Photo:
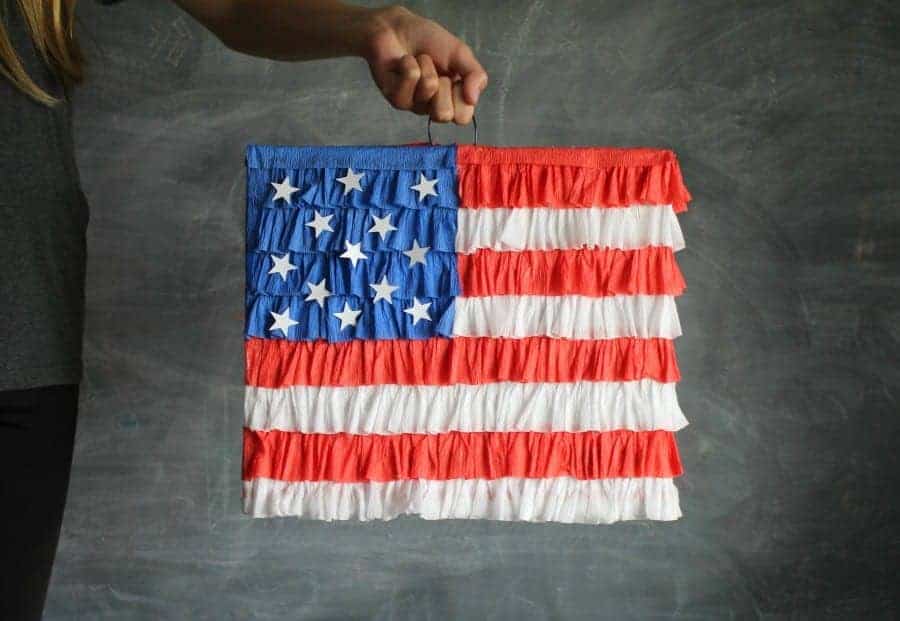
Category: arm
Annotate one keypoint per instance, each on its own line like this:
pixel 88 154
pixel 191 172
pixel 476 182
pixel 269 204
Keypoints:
pixel 416 63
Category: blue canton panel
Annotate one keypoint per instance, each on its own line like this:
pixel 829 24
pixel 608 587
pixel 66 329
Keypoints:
pixel 306 206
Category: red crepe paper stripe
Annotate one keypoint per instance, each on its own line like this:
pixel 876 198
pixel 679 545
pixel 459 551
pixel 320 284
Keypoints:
pixel 586 271
pixel 568 177
pixel 341 457
pixel 274 363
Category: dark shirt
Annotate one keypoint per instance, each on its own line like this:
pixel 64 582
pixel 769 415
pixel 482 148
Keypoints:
pixel 43 218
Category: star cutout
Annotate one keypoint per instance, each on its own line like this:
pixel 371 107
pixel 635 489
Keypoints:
pixel 347 316
pixel 383 290
pixel 351 181
pixel 283 321
pixel 318 293
pixel 382 226
pixel 417 253
pixel 283 190
pixel 425 187
pixel 282 265
pixel 418 311
pixel 320 223
pixel 353 253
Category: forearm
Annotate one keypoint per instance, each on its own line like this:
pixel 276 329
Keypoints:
pixel 288 29
pixel 416 63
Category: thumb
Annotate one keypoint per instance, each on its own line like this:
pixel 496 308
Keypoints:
pixel 474 78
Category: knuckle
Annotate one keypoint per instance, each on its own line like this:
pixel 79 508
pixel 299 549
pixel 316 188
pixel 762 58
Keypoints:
pixel 443 115
pixel 398 10
pixel 430 83
pixel 411 73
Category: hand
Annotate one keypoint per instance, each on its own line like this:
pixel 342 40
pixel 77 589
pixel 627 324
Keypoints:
pixel 420 66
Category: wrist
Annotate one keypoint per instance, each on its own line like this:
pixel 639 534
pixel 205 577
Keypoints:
pixel 375 26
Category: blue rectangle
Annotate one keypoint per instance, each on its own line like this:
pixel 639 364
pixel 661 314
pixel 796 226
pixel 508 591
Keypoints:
pixel 386 209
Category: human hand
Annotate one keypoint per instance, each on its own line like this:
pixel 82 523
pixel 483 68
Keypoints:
pixel 419 66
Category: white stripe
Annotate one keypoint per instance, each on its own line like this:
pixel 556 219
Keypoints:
pixel 546 228
pixel 640 405
pixel 567 316
pixel 595 501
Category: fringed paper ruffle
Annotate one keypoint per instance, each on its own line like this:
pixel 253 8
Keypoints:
pixel 650 271
pixel 280 230
pixel 421 157
pixel 275 363
pixel 505 316
pixel 541 228
pixel 436 279
pixel 561 499
pixel 568 177
pixel 378 320
pixel 641 405
pixel 569 316
pixel 380 189
pixel 340 457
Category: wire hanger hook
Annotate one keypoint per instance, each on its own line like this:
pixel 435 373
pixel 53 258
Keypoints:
pixel 474 131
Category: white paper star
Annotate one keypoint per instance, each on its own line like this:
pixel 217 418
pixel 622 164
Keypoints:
pixel 382 226
pixel 417 253
pixel 383 290
pixel 425 187
pixel 348 316
pixel 351 181
pixel 283 190
pixel 353 253
pixel 318 293
pixel 281 265
pixel 283 321
pixel 320 223
pixel 418 311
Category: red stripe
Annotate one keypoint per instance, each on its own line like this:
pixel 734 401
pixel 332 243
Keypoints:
pixel 586 271
pixel 580 157
pixel 568 177
pixel 347 458
pixel 274 363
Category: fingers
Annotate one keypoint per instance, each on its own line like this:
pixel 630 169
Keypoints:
pixel 401 86
pixel 447 104
pixel 413 83
pixel 462 111
pixel 428 83
pixel 441 107
pixel 474 78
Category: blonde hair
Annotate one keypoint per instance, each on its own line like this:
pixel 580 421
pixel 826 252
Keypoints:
pixel 51 25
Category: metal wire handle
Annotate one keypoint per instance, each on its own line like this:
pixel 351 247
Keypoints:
pixel 474 131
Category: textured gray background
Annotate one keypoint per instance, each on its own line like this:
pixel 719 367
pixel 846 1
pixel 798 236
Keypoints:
pixel 785 117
